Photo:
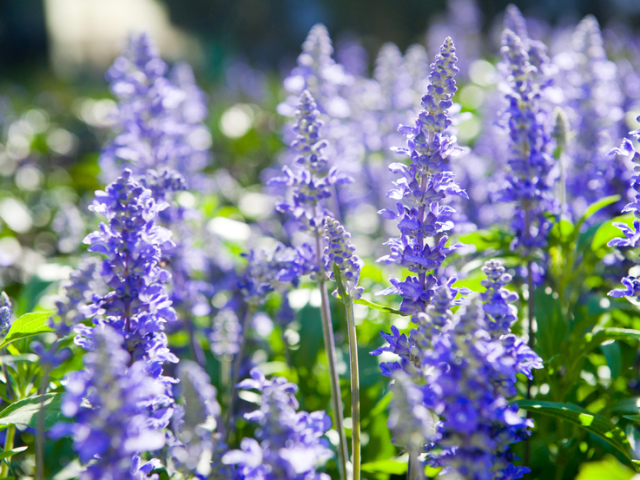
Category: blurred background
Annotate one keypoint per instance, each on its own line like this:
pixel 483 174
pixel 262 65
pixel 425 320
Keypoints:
pixel 77 39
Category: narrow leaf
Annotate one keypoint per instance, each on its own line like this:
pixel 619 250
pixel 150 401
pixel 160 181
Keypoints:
pixel 25 412
pixel 596 207
pixel 28 325
pixel 10 453
pixel 591 422
pixel 608 231
pixel 385 466
pixel 382 308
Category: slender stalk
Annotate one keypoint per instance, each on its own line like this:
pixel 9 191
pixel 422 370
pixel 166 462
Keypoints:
pixel 11 394
pixel 531 333
pixel 236 372
pixel 414 471
pixel 40 427
pixel 8 446
pixel 329 346
pixel 355 389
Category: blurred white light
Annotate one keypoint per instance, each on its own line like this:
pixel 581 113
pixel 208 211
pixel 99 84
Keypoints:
pixel 298 298
pixel 38 119
pixel 228 229
pixel 236 121
pixel 200 139
pixel 15 215
pixel 29 177
pixel 472 96
pixel 256 205
pixel 482 73
pixel 186 199
pixel 61 141
pixel 10 251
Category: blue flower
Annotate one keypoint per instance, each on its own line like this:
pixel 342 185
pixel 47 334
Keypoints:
pixel 528 181
pixel 339 251
pixel 290 444
pixel 116 409
pixel 6 312
pixel 423 220
pixel 137 305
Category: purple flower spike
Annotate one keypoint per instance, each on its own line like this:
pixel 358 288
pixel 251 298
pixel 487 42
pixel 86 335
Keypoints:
pixel 423 185
pixel 528 181
pixel 290 444
pixel 116 407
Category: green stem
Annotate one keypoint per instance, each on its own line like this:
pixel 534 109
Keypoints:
pixel 414 470
pixel 336 398
pixel 40 427
pixel 8 446
pixel 330 349
pixel 355 388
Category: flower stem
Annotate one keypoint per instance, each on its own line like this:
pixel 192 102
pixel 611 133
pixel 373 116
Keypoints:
pixel 355 389
pixel 8 446
pixel 414 470
pixel 329 346
pixel 336 398
pixel 40 425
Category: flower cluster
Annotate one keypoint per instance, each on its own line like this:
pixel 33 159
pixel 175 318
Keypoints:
pixel 631 233
pixel 423 185
pixel 465 373
pixel 198 447
pixel 340 252
pixel 117 409
pixel 413 425
pixel 497 299
pixel 529 182
pixel 311 184
pixel 594 106
pixel 6 312
pixel 158 121
pixel 271 269
pixel 290 444
pixel 226 333
pixel 137 306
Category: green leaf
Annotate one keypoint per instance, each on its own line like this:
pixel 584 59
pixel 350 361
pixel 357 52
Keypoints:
pixel 613 355
pixel 25 412
pixel 13 452
pixel 633 418
pixel 608 468
pixel 382 308
pixel 21 357
pixel 608 231
pixel 593 340
pixel 28 325
pixel 385 466
pixel 596 207
pixel 591 422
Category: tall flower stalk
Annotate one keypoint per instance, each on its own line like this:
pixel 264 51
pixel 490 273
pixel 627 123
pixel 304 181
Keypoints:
pixel 310 186
pixel 528 181
pixel 343 266
pixel 423 220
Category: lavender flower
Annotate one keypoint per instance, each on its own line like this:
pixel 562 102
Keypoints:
pixel 312 183
pixel 6 312
pixel 424 183
pixel 115 406
pixel 226 333
pixel 594 106
pixel 76 294
pixel 497 299
pixel 290 444
pixel 271 269
pixel 632 234
pixel 137 305
pixel 318 73
pixel 199 446
pixel 528 182
pixel 412 424
pixel 339 251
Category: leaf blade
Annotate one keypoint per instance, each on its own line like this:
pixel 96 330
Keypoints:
pixel 28 325
pixel 25 412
